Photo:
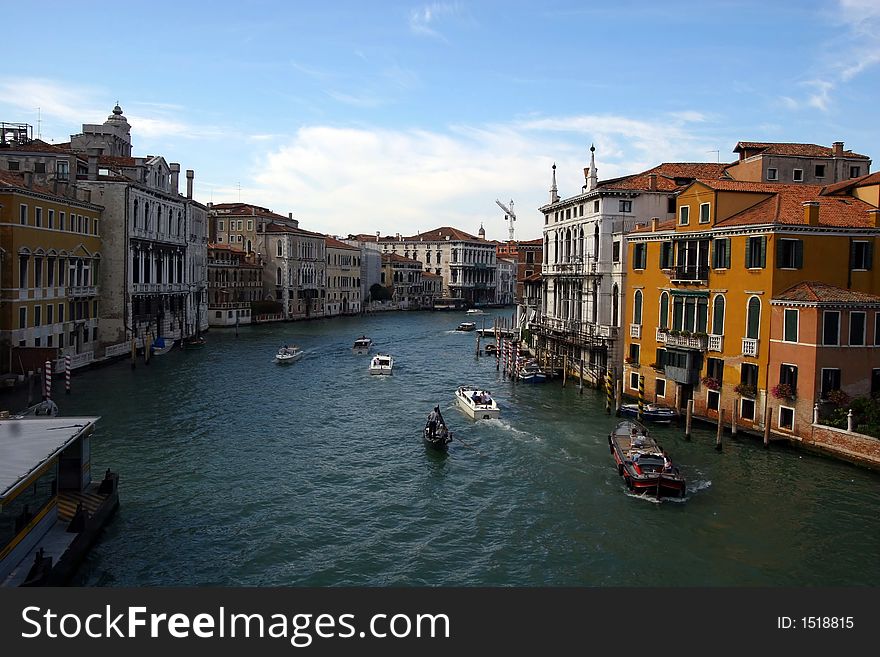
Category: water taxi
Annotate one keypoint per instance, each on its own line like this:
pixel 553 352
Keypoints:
pixel 467 326
pixel 475 311
pixel 362 345
pixel 642 463
pixel 381 364
pixel 651 412
pixel 288 354
pixel 531 372
pixel 478 404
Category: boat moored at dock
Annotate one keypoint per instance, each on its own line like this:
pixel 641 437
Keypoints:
pixel 650 413
pixel 642 463
pixel 477 404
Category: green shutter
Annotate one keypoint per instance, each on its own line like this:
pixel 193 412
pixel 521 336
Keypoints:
pixel 852 255
pixel 763 252
pixel 869 254
pixel 749 242
pixel 727 248
pixel 799 254
pixel 664 310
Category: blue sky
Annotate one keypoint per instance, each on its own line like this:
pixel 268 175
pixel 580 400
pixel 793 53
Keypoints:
pixel 404 116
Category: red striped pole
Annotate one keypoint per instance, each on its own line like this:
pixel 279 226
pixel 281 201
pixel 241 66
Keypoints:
pixel 67 374
pixel 48 379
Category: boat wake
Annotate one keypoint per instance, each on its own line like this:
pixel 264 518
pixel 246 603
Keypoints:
pixel 501 424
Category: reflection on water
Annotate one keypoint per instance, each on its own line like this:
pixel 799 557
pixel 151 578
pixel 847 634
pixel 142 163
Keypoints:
pixel 235 471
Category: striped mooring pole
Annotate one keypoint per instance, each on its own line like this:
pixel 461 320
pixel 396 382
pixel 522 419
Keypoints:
pixel 67 374
pixel 641 397
pixel 609 394
pixel 48 379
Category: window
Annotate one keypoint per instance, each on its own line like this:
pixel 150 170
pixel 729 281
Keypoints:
pixel 664 310
pixel 705 210
pixel 665 255
pixel 860 255
pixel 855 172
pixel 786 418
pixel 38 217
pixel 640 255
pixel 60 221
pixel 60 314
pixel 637 307
pixel 22 317
pixel 721 253
pixel 830 381
pixel 625 206
pixel 857 329
pixel 877 328
pixel 712 400
pixel 23 272
pixel 634 380
pixel 830 327
pixel 250 224
pixel 595 206
pixel 820 171
pixel 790 254
pixel 38 315
pixel 772 174
pixel 49 310
pixel 747 409
pixel 279 249
pixel 221 225
pixel 62 169
pixel 22 214
pixel 749 375
pixel 660 387
pixel 715 368
pixel 788 376
pixel 51 219
pixel 615 252
pixel 670 204
pixel 753 318
pixel 718 315
pixel 38 272
pixel 634 353
pixel 797 175
pixel 756 252
pixel 13 165
pixel 790 325
pixel 684 215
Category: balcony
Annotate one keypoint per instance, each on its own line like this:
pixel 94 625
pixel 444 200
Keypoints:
pixel 690 273
pixel 661 335
pixel 697 342
pixel 635 331
pixel 750 347
pixel 716 343
pixel 685 375
pixel 82 291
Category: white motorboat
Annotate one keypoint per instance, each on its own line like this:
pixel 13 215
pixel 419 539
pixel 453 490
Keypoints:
pixel 475 311
pixel 288 354
pixel 362 345
pixel 381 364
pixel 466 326
pixel 478 404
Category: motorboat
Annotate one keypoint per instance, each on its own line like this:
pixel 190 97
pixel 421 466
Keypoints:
pixel 491 348
pixel 475 311
pixel 362 345
pixel 467 326
pixel 651 413
pixel 478 404
pixel 161 346
pixel 436 435
pixel 381 364
pixel 193 342
pixel 642 463
pixel 288 354
pixel 531 372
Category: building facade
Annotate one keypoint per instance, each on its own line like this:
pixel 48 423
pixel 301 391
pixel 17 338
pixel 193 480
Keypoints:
pixel 796 163
pixel 343 278
pixel 404 276
pixel 295 269
pixel 235 281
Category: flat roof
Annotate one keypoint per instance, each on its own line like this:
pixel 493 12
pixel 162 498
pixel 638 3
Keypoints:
pixel 27 444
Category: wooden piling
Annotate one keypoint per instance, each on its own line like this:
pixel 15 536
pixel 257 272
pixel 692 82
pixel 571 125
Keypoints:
pixel 148 342
pixel 733 415
pixel 581 378
pixel 720 427
pixel 687 419
pixel 133 352
pixel 618 390
pixel 564 368
pixel 766 423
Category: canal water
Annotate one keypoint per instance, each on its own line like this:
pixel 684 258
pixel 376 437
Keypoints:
pixel 237 471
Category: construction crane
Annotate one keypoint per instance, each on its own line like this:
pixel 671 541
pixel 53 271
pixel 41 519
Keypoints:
pixel 508 215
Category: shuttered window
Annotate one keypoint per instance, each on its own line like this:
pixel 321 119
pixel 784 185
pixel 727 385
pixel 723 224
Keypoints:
pixel 790 254
pixel 756 252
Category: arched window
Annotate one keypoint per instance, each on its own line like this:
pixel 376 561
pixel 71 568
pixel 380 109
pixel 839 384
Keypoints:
pixel 581 244
pixel 614 305
pixel 596 243
pixel 278 278
pixel 718 316
pixel 546 250
pixel 753 321
pixel 595 301
pixel 555 248
pixel 637 307
pixel 136 217
pixel 664 310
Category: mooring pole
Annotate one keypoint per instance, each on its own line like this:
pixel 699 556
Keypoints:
pixel 687 419
pixel 720 427
pixel 766 424
pixel 733 418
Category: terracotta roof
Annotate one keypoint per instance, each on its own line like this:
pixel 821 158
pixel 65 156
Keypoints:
pixel 396 257
pixel 427 274
pixel 117 161
pixel 224 247
pixel 39 146
pixel 785 206
pixel 538 241
pixel 534 278
pixel 247 210
pixel 798 150
pixel 440 234
pixel 336 244
pixel 11 179
pixel 363 237
pixel 670 176
pixel 669 224
pixel 852 183
pixel 817 292
pixel 279 228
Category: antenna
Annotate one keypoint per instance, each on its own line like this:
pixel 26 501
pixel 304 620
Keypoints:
pixel 239 192
pixel 717 156
pixel 39 123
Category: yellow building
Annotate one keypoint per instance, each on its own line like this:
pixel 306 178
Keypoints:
pixel 51 250
pixel 698 304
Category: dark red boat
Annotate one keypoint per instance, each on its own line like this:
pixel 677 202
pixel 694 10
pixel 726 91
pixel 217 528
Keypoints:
pixel 642 463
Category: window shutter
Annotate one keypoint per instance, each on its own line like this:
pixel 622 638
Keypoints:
pixel 749 243
pixel 728 246
pixel 852 255
pixel 763 251
pixel 869 254
pixel 780 254
pixel 799 254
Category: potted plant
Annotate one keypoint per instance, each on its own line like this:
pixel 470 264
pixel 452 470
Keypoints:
pixel 685 333
pixel 657 366
pixel 675 333
pixel 629 360
pixel 746 390
pixel 838 398
pixel 782 391
pixel 711 382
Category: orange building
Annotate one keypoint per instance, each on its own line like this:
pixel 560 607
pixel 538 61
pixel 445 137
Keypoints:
pixel 700 286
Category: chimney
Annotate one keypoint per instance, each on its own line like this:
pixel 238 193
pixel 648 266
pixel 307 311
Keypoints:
pixel 837 149
pixel 93 163
pixel 811 213
pixel 377 236
pixel 652 182
pixel 655 221
pixel 874 218
pixel 28 179
pixel 175 178
pixel 190 174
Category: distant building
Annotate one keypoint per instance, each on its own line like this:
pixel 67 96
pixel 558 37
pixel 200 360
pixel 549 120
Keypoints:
pixel 796 163
pixel 505 286
pixel 404 275
pixel 295 269
pixel 234 282
pixel 343 278
pixel 528 255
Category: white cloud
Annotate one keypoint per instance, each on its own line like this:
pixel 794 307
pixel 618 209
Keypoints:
pixel 423 19
pixel 342 180
pixel 821 98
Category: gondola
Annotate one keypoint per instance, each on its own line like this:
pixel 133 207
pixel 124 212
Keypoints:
pixel 436 435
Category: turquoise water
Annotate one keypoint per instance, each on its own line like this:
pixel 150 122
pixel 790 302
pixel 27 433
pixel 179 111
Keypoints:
pixel 237 471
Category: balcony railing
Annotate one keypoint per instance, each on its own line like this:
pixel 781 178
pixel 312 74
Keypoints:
pixel 698 342
pixel 690 273
pixel 635 331
pixel 683 375
pixel 82 291
pixel 661 335
pixel 750 347
pixel 716 343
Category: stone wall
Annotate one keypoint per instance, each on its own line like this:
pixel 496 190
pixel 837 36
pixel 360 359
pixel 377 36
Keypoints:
pixel 851 446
